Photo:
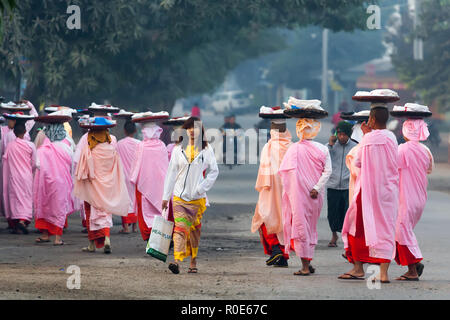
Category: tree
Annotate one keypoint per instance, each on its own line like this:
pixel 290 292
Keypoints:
pixel 150 52
pixel 6 6
pixel 431 76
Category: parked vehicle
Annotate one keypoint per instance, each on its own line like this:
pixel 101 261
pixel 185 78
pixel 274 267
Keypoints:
pixel 227 101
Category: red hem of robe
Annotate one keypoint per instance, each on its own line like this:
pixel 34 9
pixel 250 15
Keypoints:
pixel 44 225
pixel 357 249
pixel 145 231
pixel 129 219
pixel 98 235
pixel 270 240
pixel 404 257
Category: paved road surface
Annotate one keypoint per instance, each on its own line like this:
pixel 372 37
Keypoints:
pixel 231 261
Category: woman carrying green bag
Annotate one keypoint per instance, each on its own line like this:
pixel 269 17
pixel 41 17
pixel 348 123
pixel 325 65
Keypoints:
pixel 187 183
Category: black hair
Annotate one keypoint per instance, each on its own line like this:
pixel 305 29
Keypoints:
pixel 380 115
pixel 189 124
pixel 19 128
pixel 129 127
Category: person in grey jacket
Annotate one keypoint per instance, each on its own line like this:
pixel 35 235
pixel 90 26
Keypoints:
pixel 339 146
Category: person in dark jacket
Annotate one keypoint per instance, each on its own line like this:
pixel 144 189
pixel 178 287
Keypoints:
pixel 339 146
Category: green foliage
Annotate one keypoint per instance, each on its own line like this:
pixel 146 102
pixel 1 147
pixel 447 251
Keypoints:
pixel 146 53
pixel 6 6
pixel 430 77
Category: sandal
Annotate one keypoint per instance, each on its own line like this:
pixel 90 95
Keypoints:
pixel 406 278
pixel 40 240
pixel 59 244
pixel 22 228
pixel 124 232
pixel 350 277
pixel 192 270
pixel 86 249
pixel 174 267
pixel 332 245
pixel 381 281
pixel 300 273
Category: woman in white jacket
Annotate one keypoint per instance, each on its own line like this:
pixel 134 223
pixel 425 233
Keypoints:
pixel 192 172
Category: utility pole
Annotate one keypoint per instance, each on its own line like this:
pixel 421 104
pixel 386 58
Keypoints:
pixel 324 67
pixel 418 43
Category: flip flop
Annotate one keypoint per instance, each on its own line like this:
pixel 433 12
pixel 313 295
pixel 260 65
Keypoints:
pixel 381 281
pixel 40 240
pixel 332 245
pixel 22 228
pixel 405 278
pixel 192 270
pixel 175 268
pixel 419 268
pixel 300 273
pixel 352 277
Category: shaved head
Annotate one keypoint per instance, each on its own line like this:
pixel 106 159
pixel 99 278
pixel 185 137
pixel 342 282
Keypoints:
pixel 379 117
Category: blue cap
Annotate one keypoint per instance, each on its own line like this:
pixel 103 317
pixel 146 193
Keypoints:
pixel 100 121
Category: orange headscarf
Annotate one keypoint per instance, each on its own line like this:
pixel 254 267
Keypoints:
pixel 307 128
pixel 98 136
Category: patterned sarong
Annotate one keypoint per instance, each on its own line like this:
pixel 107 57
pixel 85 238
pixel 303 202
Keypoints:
pixel 188 223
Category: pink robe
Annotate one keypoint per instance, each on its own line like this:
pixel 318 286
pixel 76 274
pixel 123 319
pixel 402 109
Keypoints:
pixel 52 189
pixel 415 161
pixel 100 181
pixel 148 173
pixel 268 210
pixel 354 171
pixel 19 162
pixel 127 149
pixel 82 143
pixel 170 149
pixel 378 183
pixel 7 137
pixel 300 170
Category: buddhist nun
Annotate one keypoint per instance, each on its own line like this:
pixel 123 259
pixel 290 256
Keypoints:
pixel 19 164
pixel 149 170
pixel 268 217
pixel 369 229
pixel 100 183
pixel 304 171
pixel 415 162
pixel 127 149
pixel 53 184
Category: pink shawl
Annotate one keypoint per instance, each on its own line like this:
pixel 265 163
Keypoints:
pixel 149 171
pixel 52 189
pixel 19 161
pixel 127 149
pixel 414 163
pixel 99 180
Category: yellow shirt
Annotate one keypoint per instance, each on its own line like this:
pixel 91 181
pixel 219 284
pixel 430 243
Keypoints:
pixel 191 153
